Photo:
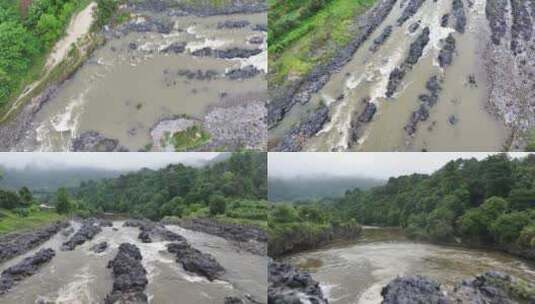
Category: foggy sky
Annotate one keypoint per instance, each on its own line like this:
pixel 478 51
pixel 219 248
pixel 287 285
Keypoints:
pixel 112 161
pixel 375 165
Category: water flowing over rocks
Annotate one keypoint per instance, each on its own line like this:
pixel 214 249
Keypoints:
pixel 377 42
pixel 27 267
pixel 288 285
pixel 243 73
pixel 295 139
pixel 196 261
pixel 152 231
pixel 15 244
pixel 89 229
pixel 415 52
pixel 231 24
pixel 129 276
pixel 248 237
pixel 412 8
pixel 359 119
pixel 227 53
pixel 301 91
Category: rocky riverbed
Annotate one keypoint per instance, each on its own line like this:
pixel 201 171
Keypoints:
pixel 133 261
pixel 171 66
pixel 479 51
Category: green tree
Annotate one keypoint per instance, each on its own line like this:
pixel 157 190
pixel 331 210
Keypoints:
pixel 283 214
pixel 507 227
pixel 25 196
pixel 63 202
pixel 217 205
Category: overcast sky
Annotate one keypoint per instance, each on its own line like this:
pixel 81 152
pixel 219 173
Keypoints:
pixel 376 165
pixel 115 161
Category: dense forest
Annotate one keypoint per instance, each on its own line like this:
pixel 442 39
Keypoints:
pixel 315 187
pixel 28 31
pixel 232 187
pixel 487 202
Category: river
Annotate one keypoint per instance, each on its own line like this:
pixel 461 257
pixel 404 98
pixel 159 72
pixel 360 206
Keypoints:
pixel 81 276
pixel 356 272
pixel 460 121
pixel 148 73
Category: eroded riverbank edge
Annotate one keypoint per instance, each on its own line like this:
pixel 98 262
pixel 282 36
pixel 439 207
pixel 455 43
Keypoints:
pixel 234 124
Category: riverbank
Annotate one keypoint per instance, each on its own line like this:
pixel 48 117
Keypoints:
pixel 11 222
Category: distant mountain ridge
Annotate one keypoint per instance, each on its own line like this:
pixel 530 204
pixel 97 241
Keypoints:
pixel 303 188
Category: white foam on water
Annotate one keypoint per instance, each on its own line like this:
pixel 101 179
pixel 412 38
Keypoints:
pixel 69 119
pixel 372 295
pixel 77 291
pixel 259 61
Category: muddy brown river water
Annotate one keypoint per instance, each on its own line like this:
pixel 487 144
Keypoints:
pixel 81 276
pixel 355 273
pixel 131 82
pixel 474 128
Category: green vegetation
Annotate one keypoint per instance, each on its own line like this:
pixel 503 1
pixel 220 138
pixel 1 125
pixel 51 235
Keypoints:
pixel 233 189
pixel 188 139
pixel 11 221
pixel 488 202
pixel 294 228
pixel 298 39
pixel 531 141
pixel 27 33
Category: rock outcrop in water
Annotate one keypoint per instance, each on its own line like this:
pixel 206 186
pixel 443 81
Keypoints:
pixel 196 261
pixel 359 119
pixel 445 56
pixel 416 289
pixel 92 141
pixel 380 40
pixel 457 10
pixel 250 238
pixel 295 139
pixel 233 24
pixel 489 288
pixel 100 247
pixel 129 276
pixel 427 101
pixel 88 230
pixel 415 52
pixel 15 244
pixel 288 285
pixel 27 267
pixel 150 231
pixel 227 53
pixel 412 8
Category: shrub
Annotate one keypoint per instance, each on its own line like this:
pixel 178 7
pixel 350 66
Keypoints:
pixel 217 205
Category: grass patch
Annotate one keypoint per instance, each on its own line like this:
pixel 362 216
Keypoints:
pixel 304 33
pixel 188 139
pixel 10 222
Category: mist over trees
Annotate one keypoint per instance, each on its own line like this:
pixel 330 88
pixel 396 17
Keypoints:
pixel 316 187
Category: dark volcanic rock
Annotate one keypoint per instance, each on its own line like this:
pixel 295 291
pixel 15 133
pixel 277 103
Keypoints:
pixel 231 24
pixel 522 27
pixel 226 54
pixel 295 139
pixel 365 117
pixel 283 99
pixel 90 228
pixel 27 267
pixel 415 52
pixel 412 8
pixel 244 73
pixel 288 285
pixel 233 300
pixel 411 290
pixel 144 236
pixel 256 40
pixel 457 10
pixel 444 20
pixel 494 288
pixel 129 276
pixel 445 57
pixel 428 101
pixel 260 28
pixel 15 244
pixel 417 47
pixel 496 11
pixel 100 247
pixel 151 231
pixel 198 75
pixel 175 47
pixel 413 27
pixel 195 261
pixel 147 25
pixel 380 40
pixel 92 141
